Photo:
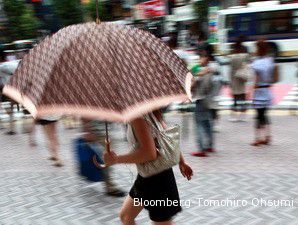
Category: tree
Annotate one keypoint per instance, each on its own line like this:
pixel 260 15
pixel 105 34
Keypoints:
pixel 201 9
pixel 68 12
pixel 21 23
pixel 102 11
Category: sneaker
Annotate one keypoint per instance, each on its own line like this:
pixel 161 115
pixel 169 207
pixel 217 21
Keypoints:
pixel 256 143
pixel 199 154
pixel 242 120
pixel 10 133
pixel 116 193
pixel 233 120
pixel 58 164
pixel 53 158
pixel 211 150
pixel 216 129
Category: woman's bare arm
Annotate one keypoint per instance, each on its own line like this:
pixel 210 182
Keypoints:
pixel 146 150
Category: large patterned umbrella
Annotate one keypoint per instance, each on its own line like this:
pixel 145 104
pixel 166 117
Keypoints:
pixel 100 71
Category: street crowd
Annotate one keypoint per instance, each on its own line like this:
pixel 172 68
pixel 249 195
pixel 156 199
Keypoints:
pixel 259 68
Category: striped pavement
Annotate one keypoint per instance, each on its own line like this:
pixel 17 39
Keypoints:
pixel 34 192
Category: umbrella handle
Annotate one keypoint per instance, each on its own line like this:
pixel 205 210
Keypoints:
pixel 108 149
pixel 97 164
pixel 97 12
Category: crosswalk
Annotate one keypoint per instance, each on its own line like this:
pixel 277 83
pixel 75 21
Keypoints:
pixel 17 114
pixel 290 101
pixel 225 101
pixel 34 192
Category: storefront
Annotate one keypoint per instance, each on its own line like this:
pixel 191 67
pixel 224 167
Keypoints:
pixel 150 15
pixel 184 17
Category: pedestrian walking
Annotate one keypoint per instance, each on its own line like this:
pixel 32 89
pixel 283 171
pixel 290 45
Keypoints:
pixel 217 83
pixel 239 75
pixel 94 137
pixel 202 44
pixel 49 125
pixel 6 70
pixel 144 75
pixel 158 187
pixel 266 73
pixel 203 89
pixel 2 83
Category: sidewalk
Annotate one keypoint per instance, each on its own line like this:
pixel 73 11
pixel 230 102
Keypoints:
pixel 34 192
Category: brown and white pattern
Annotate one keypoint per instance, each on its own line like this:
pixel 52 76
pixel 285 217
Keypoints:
pixel 105 71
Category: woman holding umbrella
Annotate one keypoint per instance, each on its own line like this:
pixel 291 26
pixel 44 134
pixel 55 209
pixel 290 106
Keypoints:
pixel 114 73
pixel 159 187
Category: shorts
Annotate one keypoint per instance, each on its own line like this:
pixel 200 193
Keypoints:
pixel 160 187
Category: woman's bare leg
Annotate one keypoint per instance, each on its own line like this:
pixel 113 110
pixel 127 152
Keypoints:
pixel 129 211
pixel 31 132
pixel 51 133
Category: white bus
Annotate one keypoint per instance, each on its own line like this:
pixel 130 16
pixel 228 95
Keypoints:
pixel 275 22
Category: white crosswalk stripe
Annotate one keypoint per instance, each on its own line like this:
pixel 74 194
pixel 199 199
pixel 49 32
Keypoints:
pixel 291 99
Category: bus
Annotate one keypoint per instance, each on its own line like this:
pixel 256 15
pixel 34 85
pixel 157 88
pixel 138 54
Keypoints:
pixel 269 20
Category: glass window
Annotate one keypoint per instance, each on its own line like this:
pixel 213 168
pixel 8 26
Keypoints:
pixel 275 22
pixel 245 24
pixel 295 24
pixel 231 24
pixel 274 26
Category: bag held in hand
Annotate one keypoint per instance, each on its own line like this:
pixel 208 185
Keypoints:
pixel 85 154
pixel 167 144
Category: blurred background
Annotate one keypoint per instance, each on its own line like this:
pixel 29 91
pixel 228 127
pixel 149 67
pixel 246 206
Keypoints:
pixel 34 192
pixel 182 20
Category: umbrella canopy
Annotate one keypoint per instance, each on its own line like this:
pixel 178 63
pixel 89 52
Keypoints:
pixel 101 71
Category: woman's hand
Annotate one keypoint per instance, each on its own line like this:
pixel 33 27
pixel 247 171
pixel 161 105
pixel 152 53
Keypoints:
pixel 110 158
pixel 185 170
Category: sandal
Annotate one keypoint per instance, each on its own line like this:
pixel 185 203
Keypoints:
pixel 53 158
pixel 267 141
pixel 256 143
pixel 58 163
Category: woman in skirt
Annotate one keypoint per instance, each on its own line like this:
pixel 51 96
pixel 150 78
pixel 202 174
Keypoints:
pixel 154 189
pixel 266 75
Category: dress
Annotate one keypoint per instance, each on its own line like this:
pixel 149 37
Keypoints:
pixel 159 190
pixel 262 97
pixel 264 68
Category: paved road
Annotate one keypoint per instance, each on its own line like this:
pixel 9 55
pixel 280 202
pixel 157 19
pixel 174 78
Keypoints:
pixel 34 192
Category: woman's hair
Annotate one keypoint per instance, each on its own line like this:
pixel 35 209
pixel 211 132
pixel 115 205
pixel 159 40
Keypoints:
pixel 262 48
pixel 173 42
pixel 207 54
pixel 158 114
pixel 238 46
pixel 2 56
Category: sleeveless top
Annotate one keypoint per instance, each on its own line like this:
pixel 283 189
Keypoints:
pixel 133 143
pixel 130 134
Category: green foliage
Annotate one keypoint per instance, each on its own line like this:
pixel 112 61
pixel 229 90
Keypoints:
pixel 68 12
pixel 91 11
pixel 21 21
pixel 201 9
